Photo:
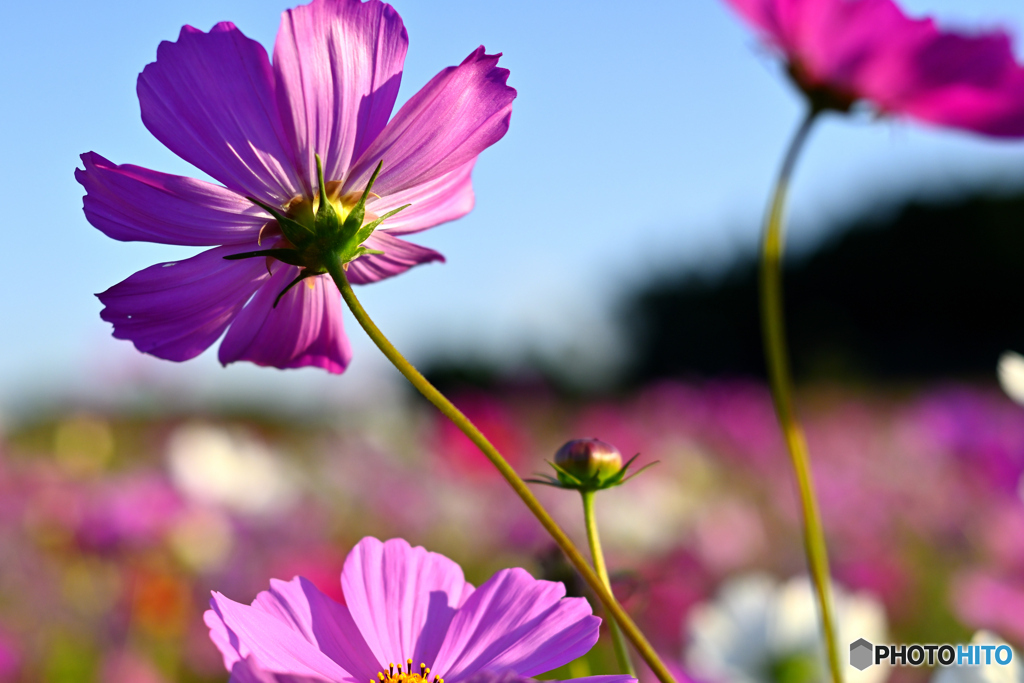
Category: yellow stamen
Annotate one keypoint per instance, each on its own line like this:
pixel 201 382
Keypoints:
pixel 398 675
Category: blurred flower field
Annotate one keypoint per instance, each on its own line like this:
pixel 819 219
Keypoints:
pixel 115 527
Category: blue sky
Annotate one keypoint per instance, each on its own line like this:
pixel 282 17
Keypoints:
pixel 643 141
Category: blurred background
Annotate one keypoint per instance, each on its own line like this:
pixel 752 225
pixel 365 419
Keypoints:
pixel 603 286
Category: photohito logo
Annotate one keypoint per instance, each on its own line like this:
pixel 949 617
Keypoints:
pixel 863 654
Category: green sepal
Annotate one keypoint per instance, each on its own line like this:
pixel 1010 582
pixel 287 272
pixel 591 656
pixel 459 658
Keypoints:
pixel 637 473
pixel 297 233
pixel 327 222
pixel 308 272
pixel 354 220
pixel 364 232
pixel 565 480
pixel 290 256
pixel 547 480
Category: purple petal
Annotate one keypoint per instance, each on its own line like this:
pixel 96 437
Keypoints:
pixel 248 671
pixel 177 310
pixel 322 621
pixel 304 329
pixel 338 66
pixel 131 203
pixel 458 114
pixel 398 257
pixel 402 598
pixel 516 622
pixel 210 97
pixel 438 201
pixel 241 632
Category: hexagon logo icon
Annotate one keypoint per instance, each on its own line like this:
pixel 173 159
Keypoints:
pixel 861 654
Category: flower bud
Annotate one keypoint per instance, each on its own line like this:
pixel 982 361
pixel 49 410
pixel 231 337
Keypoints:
pixel 591 461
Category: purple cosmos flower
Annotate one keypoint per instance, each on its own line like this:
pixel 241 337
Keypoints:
pixel 839 51
pixel 409 606
pixel 260 129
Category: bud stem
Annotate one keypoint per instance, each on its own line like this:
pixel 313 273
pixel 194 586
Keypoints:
pixel 518 485
pixel 621 653
pixel 781 382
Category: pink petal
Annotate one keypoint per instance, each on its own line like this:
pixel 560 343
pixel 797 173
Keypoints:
pixel 441 200
pixel 768 16
pixel 516 622
pixel 304 329
pixel 210 97
pixel 398 257
pixel 273 644
pixel 322 621
pixel 871 49
pixel 458 114
pixel 177 310
pixel 225 641
pixel 338 65
pixel 402 598
pixel 248 671
pixel 969 82
pixel 859 47
pixel 131 203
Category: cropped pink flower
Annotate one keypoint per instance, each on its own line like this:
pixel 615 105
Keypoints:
pixel 408 608
pixel 215 100
pixel 845 50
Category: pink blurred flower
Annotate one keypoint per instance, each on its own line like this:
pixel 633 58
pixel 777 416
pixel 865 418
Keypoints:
pixel 840 51
pixel 983 600
pixel 404 605
pixel 10 657
pixel 128 510
pixel 215 100
pixel 496 420
pixel 127 667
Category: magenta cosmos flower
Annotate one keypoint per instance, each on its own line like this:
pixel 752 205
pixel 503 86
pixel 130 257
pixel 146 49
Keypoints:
pixel 840 51
pixel 409 617
pixel 215 100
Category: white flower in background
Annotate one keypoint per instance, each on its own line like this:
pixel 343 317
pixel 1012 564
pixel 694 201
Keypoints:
pixel 760 631
pixel 646 517
pixel 1011 375
pixel 983 673
pixel 230 469
pixel 659 507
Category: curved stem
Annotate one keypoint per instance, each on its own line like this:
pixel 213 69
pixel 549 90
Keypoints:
pixel 621 653
pixel 518 485
pixel 780 379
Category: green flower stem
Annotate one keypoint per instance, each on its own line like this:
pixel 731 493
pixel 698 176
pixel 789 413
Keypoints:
pixel 780 379
pixel 621 653
pixel 518 485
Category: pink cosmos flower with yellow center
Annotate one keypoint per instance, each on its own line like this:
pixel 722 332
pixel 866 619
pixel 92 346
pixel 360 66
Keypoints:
pixel 409 617
pixel 840 51
pixel 260 130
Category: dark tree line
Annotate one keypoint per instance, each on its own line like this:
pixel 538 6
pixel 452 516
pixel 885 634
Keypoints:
pixel 935 290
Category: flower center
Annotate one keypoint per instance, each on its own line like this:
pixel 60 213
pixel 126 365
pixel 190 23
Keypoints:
pixel 318 233
pixel 822 96
pixel 408 676
pixel 303 210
